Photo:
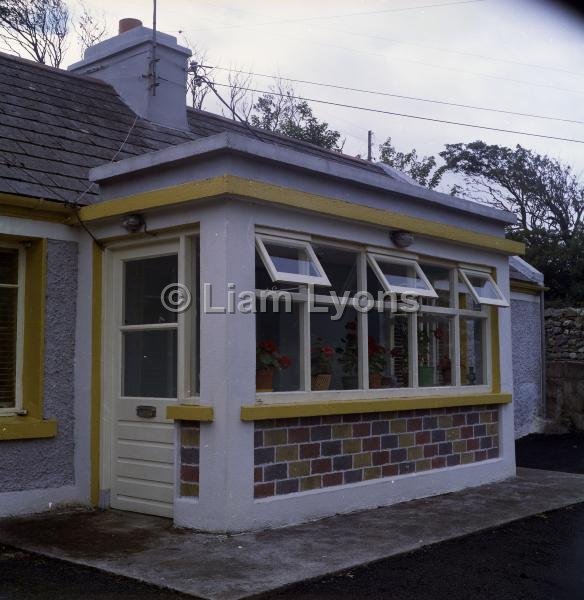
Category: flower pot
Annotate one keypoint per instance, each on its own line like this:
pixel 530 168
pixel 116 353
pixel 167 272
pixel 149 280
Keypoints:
pixel 375 380
pixel 425 376
pixel 265 380
pixel 322 381
pixel 350 382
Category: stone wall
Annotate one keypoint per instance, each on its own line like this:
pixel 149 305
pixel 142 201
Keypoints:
pixel 298 455
pixel 564 331
pixel 564 328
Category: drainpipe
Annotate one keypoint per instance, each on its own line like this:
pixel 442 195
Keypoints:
pixel 543 354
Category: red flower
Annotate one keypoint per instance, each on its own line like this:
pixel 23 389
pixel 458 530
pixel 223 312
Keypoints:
pixel 285 361
pixel 268 346
pixel 328 351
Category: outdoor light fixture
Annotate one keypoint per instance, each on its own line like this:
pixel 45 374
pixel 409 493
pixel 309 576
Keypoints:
pixel 133 223
pixel 402 239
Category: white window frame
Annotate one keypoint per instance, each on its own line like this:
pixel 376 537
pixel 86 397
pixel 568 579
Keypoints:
pixel 465 273
pixel 17 409
pixel 454 312
pixel 276 275
pixel 374 258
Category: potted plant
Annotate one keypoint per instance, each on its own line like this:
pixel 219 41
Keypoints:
pixel 377 363
pixel 268 361
pixel 322 357
pixel 349 356
pixel 425 370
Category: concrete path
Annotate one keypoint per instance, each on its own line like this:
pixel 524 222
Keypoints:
pixel 219 567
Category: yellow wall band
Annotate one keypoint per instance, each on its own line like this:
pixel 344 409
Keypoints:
pixel 526 287
pixel 25 207
pixel 258 412
pixel 96 308
pixel 229 185
pixel 190 412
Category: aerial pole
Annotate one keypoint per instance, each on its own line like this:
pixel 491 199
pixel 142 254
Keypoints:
pixel 370 145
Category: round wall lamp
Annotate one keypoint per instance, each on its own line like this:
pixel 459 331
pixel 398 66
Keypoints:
pixel 402 239
pixel 133 223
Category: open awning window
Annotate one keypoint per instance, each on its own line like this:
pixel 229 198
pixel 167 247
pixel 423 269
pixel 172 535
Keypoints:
pixel 401 275
pixel 483 287
pixel 291 261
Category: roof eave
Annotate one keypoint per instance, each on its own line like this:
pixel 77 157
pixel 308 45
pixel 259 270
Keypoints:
pixel 265 150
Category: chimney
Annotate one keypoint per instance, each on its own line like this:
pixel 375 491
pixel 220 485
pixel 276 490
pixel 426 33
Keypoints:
pixel 149 74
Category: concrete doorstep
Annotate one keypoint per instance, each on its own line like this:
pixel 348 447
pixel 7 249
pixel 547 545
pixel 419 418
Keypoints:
pixel 219 567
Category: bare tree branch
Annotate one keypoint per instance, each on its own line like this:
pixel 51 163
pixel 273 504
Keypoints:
pixel 90 29
pixel 37 27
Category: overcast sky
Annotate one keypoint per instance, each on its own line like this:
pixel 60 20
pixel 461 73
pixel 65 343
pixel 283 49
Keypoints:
pixel 517 55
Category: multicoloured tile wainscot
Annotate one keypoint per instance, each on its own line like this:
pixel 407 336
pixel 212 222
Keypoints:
pixel 301 454
pixel 189 458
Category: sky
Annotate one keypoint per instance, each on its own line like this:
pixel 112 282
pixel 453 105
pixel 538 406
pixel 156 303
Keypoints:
pixel 514 55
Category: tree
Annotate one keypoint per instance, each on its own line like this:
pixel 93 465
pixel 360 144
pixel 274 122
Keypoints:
pixel 281 112
pixel 423 170
pixel 37 27
pixel 90 29
pixel 546 197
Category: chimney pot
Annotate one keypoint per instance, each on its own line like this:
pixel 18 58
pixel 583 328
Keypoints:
pixel 127 24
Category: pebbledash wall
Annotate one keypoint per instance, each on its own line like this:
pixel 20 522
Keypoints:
pixel 527 363
pixel 49 463
pixel 298 455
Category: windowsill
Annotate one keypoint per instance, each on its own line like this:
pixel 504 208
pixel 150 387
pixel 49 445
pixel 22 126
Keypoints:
pixel 317 407
pixel 26 428
pixel 189 412
pixel 372 394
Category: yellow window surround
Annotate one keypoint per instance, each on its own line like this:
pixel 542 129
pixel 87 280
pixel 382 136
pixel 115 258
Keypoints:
pixel 32 425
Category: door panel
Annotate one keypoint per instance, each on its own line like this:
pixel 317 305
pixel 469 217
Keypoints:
pixel 143 440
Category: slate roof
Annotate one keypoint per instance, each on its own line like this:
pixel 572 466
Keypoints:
pixel 55 126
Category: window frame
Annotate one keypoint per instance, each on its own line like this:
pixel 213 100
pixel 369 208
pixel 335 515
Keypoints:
pixel 281 276
pixel 373 259
pixel 465 272
pixel 364 392
pixel 20 287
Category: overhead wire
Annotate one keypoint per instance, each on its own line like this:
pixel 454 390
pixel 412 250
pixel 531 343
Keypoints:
pixel 401 96
pixel 408 116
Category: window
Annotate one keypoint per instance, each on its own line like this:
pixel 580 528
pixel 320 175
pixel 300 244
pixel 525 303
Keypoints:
pixel 400 275
pixel 11 278
pixel 290 261
pixel 483 288
pixel 329 341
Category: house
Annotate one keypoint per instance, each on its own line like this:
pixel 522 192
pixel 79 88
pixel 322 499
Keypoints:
pixel 143 249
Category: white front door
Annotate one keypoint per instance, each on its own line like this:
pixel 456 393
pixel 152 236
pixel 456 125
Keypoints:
pixel 145 369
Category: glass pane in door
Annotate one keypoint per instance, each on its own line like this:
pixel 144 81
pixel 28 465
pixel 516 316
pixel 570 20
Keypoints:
pixel 150 363
pixel 145 280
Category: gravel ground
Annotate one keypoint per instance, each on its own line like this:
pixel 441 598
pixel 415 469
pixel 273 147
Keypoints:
pixel 538 558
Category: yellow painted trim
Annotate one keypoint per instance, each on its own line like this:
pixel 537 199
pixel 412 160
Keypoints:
pixel 96 327
pixel 526 288
pixel 495 352
pixel 22 428
pixel 33 363
pixel 246 188
pixel 33 208
pixel 259 412
pixel 190 412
